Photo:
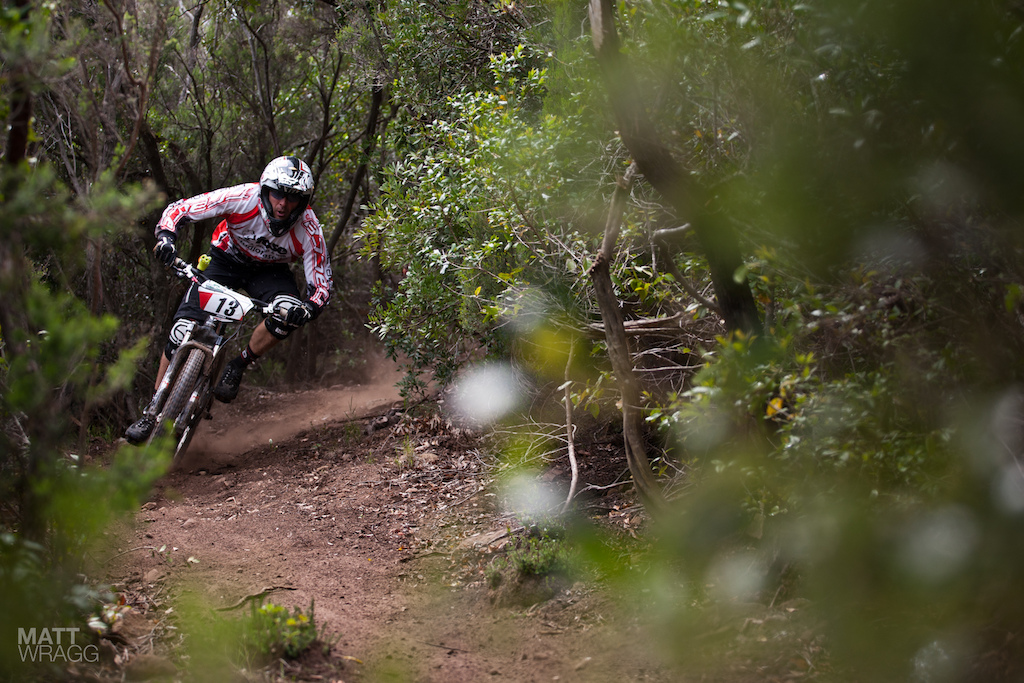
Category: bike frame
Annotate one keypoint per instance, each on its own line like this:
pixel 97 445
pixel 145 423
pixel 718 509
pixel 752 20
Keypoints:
pixel 223 306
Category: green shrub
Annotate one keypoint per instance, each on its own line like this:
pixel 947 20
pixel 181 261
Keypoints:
pixel 272 631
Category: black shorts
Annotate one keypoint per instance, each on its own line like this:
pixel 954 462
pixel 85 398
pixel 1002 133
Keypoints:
pixel 262 281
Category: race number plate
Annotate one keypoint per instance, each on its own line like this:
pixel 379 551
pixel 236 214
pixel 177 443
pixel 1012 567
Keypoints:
pixel 223 302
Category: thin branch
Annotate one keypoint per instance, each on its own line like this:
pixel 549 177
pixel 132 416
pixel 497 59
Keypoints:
pixel 570 429
pixel 665 238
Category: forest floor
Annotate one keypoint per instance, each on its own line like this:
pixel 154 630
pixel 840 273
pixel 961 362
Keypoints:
pixel 293 497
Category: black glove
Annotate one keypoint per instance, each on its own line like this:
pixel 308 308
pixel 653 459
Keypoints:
pixel 164 249
pixel 299 315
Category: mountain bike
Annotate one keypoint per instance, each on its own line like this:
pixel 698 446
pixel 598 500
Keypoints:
pixel 185 394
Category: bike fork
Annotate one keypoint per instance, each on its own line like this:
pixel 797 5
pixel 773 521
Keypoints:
pixel 157 404
pixel 207 379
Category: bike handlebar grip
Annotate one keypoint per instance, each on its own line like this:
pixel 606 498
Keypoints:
pixel 181 267
pixel 204 261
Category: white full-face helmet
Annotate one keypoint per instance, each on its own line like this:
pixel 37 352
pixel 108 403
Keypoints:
pixel 291 176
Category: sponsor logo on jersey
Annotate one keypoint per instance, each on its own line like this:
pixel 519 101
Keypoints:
pixel 264 248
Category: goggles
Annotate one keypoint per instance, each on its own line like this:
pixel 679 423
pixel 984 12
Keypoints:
pixel 290 196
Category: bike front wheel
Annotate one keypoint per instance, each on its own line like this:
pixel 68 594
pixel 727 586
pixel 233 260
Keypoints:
pixel 186 426
pixel 178 399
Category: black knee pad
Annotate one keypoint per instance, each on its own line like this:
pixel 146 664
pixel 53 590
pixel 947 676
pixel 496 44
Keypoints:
pixel 279 328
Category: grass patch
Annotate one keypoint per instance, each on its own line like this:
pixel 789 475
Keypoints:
pixel 533 570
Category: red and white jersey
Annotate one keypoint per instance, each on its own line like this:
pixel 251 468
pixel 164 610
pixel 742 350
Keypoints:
pixel 245 233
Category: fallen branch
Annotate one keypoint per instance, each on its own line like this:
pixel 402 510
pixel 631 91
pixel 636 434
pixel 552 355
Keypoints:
pixel 130 550
pixel 445 647
pixel 254 596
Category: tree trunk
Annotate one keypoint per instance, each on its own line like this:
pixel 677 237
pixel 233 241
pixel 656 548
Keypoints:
pixel 654 160
pixel 14 282
pixel 369 142
pixel 151 151
pixel 618 351
pixel 21 107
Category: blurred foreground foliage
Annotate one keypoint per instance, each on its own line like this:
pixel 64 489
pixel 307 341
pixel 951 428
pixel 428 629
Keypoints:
pixel 868 156
pixel 53 506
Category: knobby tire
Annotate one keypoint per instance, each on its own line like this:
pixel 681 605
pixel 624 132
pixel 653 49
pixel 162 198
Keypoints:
pixel 204 397
pixel 182 388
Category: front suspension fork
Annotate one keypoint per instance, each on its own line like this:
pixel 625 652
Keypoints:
pixel 156 405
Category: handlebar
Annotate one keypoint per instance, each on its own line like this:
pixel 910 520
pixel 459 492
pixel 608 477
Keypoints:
pixel 187 271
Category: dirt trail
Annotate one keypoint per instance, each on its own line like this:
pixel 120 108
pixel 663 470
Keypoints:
pixel 281 492
pixel 262 416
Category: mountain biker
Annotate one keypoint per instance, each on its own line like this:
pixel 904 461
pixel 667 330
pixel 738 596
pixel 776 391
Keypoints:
pixel 265 226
